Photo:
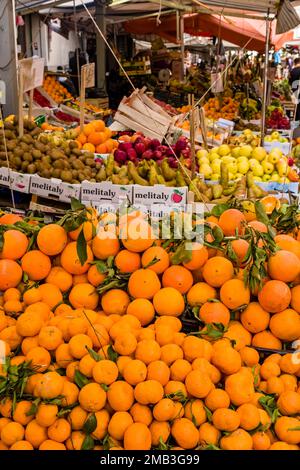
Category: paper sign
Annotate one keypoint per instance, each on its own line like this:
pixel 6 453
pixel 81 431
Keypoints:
pixel 217 83
pixel 54 188
pixel 89 75
pixel 157 194
pixel 2 92
pixel 33 72
pixel 105 192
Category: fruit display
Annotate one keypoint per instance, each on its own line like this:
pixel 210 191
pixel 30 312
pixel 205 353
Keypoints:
pixel 88 108
pixel 40 99
pixel 241 125
pixel 241 159
pixel 96 137
pixel 54 89
pixel 133 342
pixel 224 107
pixel 276 137
pixel 276 118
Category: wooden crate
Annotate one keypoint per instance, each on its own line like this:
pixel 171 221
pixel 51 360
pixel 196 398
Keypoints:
pixel 98 102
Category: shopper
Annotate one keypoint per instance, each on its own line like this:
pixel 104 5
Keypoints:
pixel 77 59
pixel 294 82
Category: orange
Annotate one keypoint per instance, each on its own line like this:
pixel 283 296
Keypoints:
pixel 125 344
pixel 275 296
pixel 86 365
pixel 50 337
pixel 288 364
pixel 95 138
pixel 214 312
pixel 208 434
pixel 227 360
pixel 10 219
pixel 134 372
pixel 295 302
pixel 142 309
pixel 12 433
pixel 60 278
pixel 60 430
pixel 105 372
pixel 115 301
pixel 15 244
pixel 118 424
pixel 217 398
pixel 49 444
pixel 168 301
pixel 164 410
pixel 249 416
pixel 258 226
pixel 71 262
pixel 143 283
pixel 194 347
pixel 179 278
pixel 120 396
pixel 285 429
pixel 286 325
pixel 10 336
pixel 240 248
pixel 35 434
pixel 94 276
pixel 92 397
pixel 137 437
pixel 194 410
pixel 89 147
pixel 160 432
pixel 36 265
pixel 81 138
pixel 159 371
pixel 170 353
pixel 156 258
pixel 199 256
pixel 249 356
pixel 288 403
pixel 148 351
pixel 217 271
pixel 172 323
pixel 198 384
pixel 225 419
pixel 234 294
pixel 50 295
pixel 98 125
pixel 32 295
pixel 254 318
pixel 232 221
pixel 238 440
pixel 180 369
pixel 238 334
pixel 240 388
pixel 265 339
pixel 141 414
pixel 285 242
pixel 77 418
pixel 261 441
pixel 20 414
pixel 49 386
pixel 21 445
pixel 39 358
pixel 284 266
pixel 29 324
pixel 148 392
pixel 104 247
pixel 78 345
pixel 46 414
pixel 127 261
pixel 200 293
pixel 51 239
pixel 11 294
pixel 10 274
pixel 84 296
pixel 75 441
pixel 185 433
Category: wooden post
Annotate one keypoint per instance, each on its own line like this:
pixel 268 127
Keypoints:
pixel 192 135
pixel 31 98
pixel 21 93
pixel 203 128
pixel 82 97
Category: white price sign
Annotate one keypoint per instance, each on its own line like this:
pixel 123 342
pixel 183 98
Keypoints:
pixel 33 72
pixel 89 70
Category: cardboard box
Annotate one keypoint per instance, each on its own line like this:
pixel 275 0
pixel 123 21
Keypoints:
pixel 105 192
pixel 159 194
pixel 54 189
pixel 280 187
pixel 14 180
pixel 285 147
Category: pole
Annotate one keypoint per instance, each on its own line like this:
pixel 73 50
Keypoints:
pixel 82 96
pixel 100 44
pixel 265 81
pixel 182 45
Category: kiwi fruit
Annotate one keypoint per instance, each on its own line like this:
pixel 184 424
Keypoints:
pixel 56 173
pixel 46 173
pixel 24 146
pixel 75 173
pixel 76 152
pixel 36 132
pixel 25 166
pixel 17 161
pixel 28 157
pixel 11 144
pixel 43 139
pixel 46 160
pixel 66 176
pixel 31 169
pixel 2 156
pixel 27 139
pixel 90 162
pixel 9 125
pixel 36 154
pixel 39 146
pixel 81 176
pixel 58 164
pixel 9 134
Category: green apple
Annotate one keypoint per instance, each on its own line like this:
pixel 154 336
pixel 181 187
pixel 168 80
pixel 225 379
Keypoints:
pixel 224 150
pixel 202 153
pixel 203 161
pixel 253 163
pixel 259 153
pixel 257 179
pixel 268 138
pixel 206 170
pixel 275 135
pixel 266 178
pixel 216 166
pixel 215 177
pixel 268 167
pixel 214 156
pixel 235 152
pixel 243 167
pixel 245 151
pixel 258 170
pixel 273 157
pixel 275 177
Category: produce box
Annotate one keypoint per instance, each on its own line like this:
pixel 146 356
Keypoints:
pixel 14 180
pixel 285 147
pixel 54 189
pixel 105 192
pixel 280 187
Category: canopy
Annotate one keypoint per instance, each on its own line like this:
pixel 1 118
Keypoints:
pixel 246 33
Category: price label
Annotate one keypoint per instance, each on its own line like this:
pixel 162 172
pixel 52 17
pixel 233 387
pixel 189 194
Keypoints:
pixel 89 70
pixel 2 92
pixel 33 72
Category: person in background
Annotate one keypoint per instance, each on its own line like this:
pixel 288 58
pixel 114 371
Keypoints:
pixel 294 83
pixel 77 59
pixel 64 80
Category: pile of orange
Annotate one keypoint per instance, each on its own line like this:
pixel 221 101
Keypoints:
pixel 114 370
pixel 96 138
pixel 49 127
pixel 226 108
pixel 54 89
